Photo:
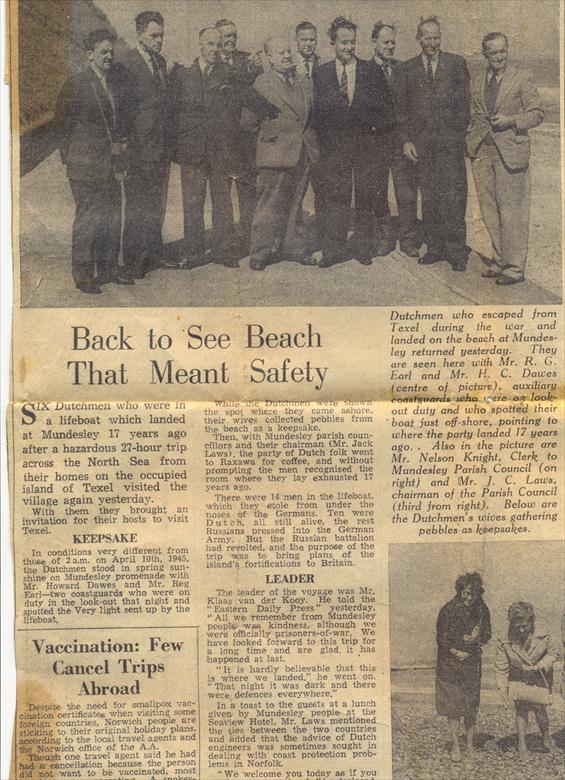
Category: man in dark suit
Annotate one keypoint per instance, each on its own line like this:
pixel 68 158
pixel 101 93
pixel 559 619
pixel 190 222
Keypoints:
pixel 405 188
pixel 286 149
pixel 90 122
pixel 207 147
pixel 148 174
pixel 246 67
pixel 353 116
pixel 434 108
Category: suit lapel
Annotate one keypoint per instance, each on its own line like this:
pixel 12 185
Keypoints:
pixel 505 87
pixel 287 95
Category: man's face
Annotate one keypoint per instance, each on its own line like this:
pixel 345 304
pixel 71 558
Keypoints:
pixel 306 42
pixel 102 56
pixel 228 38
pixel 385 44
pixel 496 53
pixel 152 37
pixel 210 46
pixel 280 55
pixel 345 44
pixel 430 39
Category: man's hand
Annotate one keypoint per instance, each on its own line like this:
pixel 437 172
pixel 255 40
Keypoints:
pixel 461 655
pixel 504 696
pixel 410 152
pixel 501 122
pixel 473 636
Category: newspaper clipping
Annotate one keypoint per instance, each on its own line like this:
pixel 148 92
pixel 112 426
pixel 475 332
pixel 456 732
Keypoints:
pixel 286 431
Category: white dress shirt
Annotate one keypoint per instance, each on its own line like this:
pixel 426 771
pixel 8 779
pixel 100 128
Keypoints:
pixel 434 60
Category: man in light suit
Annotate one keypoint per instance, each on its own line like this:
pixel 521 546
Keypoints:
pixel 403 174
pixel 353 116
pixel 148 175
pixel 505 105
pixel 287 147
pixel 433 107
pixel 91 126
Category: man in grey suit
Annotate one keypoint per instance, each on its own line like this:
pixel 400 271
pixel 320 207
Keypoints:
pixel 505 105
pixel 287 147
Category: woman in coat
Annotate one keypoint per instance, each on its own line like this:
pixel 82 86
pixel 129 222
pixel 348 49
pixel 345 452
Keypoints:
pixel 527 656
pixel 463 626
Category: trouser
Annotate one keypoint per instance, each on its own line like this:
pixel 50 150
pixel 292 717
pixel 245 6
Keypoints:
pixel 146 200
pixel 193 182
pixel 96 228
pixel 406 192
pixel 337 176
pixel 504 198
pixel 246 183
pixel 442 179
pixel 279 196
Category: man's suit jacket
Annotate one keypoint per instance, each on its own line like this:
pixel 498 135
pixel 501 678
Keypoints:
pixel 281 140
pixel 437 113
pixel 86 124
pixel 148 107
pixel 517 97
pixel 315 64
pixel 207 110
pixel 357 129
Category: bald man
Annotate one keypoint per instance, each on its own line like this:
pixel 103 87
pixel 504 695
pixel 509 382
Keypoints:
pixel 287 147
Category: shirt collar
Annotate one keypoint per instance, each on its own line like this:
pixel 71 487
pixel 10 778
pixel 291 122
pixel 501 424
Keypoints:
pixel 282 76
pixel 381 62
pixel 144 53
pixel 349 66
pixel 434 59
pixel 204 66
pixel 498 76
pixel 98 72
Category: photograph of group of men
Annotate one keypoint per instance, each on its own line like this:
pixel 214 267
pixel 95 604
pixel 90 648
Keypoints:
pixel 270 124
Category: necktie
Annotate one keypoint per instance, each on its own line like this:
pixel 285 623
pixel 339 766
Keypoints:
pixel 307 68
pixel 491 94
pixel 430 71
pixel 387 67
pixel 343 96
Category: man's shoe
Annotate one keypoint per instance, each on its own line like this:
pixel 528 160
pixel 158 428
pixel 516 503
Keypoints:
pixel 173 265
pixel 430 258
pixel 121 279
pixel 410 250
pixel 460 264
pixel 326 261
pixel 257 265
pixel 505 281
pixel 89 288
pixel 364 259
pixel 385 247
pixel 490 273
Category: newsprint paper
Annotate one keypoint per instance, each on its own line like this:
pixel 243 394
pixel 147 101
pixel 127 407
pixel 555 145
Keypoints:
pixel 286 431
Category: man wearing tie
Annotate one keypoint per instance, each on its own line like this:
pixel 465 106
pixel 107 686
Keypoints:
pixel 306 42
pixel 206 147
pixel 353 116
pixel 433 103
pixel 148 176
pixel 505 106
pixel 90 122
pixel 384 43
pixel 287 147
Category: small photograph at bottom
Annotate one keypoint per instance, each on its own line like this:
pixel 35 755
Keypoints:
pixel 477 637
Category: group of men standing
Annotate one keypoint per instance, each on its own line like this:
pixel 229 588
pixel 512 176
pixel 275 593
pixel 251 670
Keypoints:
pixel 274 123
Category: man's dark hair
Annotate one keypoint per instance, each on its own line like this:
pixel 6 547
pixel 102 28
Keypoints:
pixel 145 18
pixel 426 20
pixel 305 26
pixel 223 23
pixel 380 25
pixel 337 24
pixel 491 36
pixel 96 36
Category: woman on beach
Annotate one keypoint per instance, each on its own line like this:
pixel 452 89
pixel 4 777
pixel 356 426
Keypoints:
pixel 463 626
pixel 524 671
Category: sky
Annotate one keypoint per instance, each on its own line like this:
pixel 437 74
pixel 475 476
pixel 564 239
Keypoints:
pixel 464 22
pixel 422 579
